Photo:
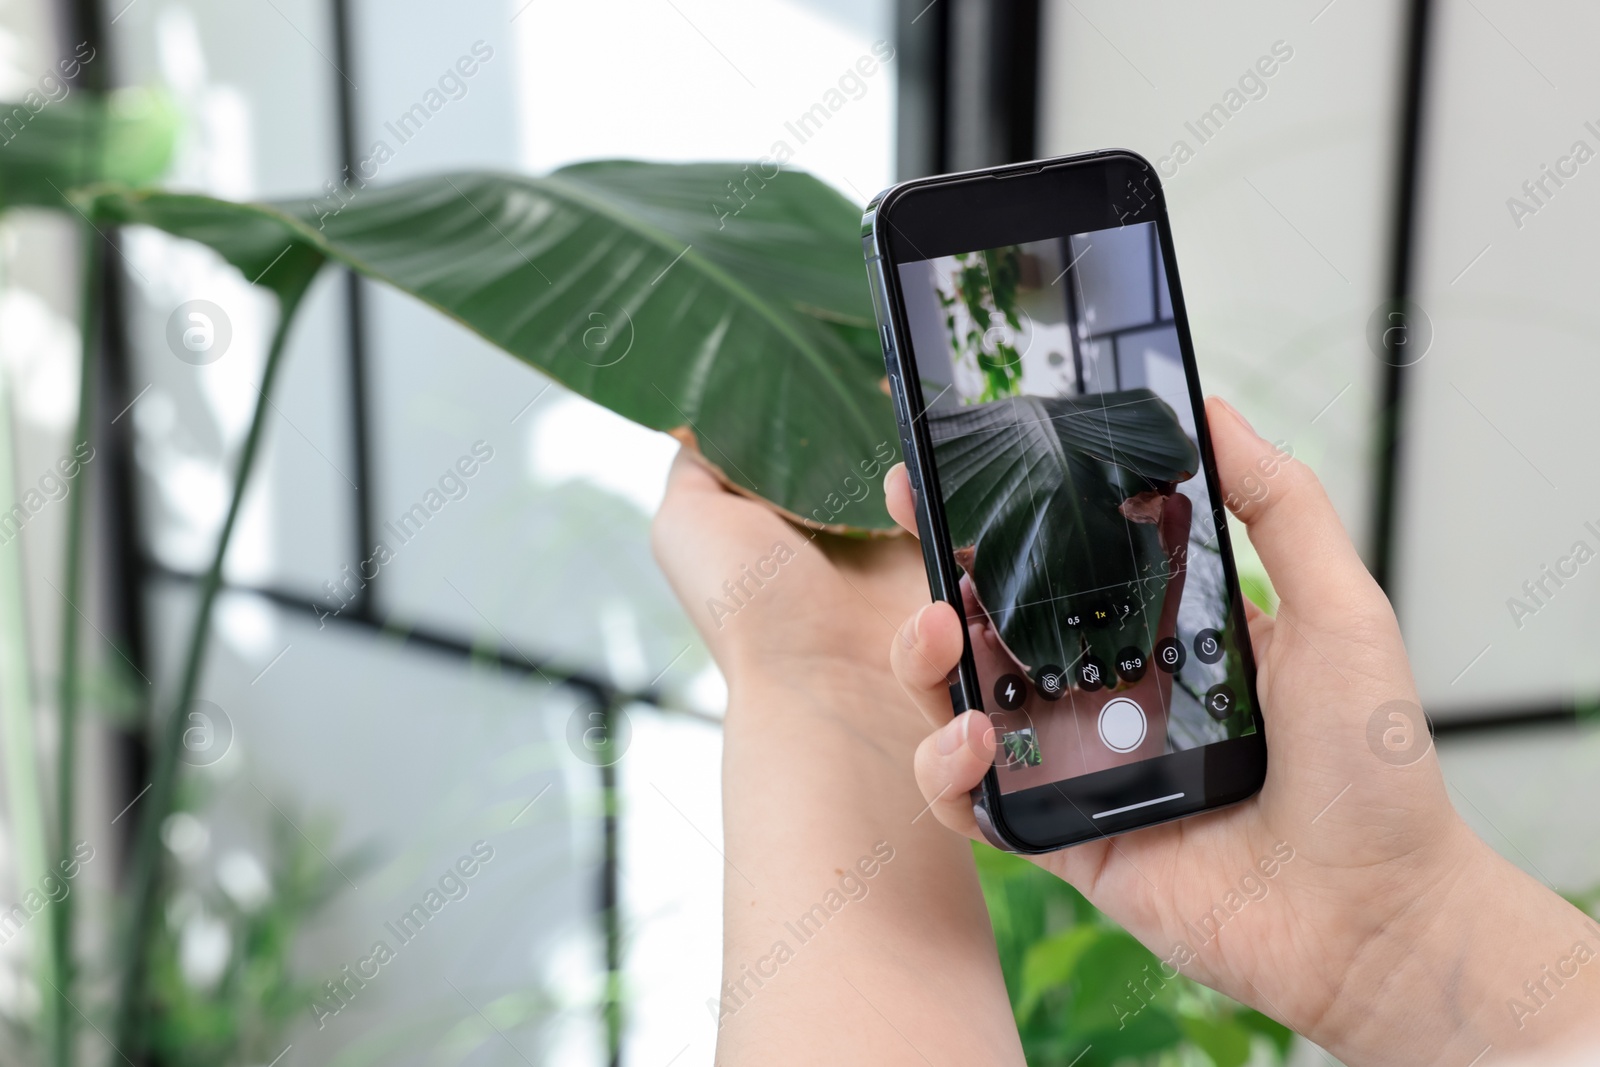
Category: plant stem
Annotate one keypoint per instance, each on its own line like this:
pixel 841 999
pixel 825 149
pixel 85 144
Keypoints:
pixel 145 874
pixel 24 797
pixel 610 890
pixel 59 1015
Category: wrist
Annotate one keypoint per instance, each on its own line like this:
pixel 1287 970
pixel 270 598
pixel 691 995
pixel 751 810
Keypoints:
pixel 847 714
pixel 1394 1003
pixel 823 684
pixel 1437 983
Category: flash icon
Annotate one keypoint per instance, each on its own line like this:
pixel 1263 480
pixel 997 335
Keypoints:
pixel 1010 691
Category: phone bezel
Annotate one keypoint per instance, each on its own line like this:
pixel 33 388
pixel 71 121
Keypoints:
pixel 1010 205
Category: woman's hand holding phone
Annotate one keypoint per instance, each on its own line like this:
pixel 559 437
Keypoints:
pixel 1391 936
pixel 1346 899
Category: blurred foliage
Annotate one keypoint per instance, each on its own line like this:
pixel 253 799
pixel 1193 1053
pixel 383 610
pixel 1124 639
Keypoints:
pixel 240 1014
pixel 50 145
pixel 1257 588
pixel 1086 994
pixel 986 285
pixel 45 153
pixel 1588 900
pixel 112 691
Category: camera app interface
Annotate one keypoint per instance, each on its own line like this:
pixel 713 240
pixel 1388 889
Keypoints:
pixel 1065 452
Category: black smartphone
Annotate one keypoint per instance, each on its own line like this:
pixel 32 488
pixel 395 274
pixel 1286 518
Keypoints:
pixel 1055 435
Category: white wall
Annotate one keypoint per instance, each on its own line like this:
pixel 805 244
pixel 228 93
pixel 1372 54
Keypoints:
pixel 1499 479
pixel 1279 217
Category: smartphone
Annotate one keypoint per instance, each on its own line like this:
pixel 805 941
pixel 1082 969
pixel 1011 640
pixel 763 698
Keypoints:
pixel 1055 437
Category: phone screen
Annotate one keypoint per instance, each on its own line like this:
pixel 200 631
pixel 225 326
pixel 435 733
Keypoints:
pixel 1066 458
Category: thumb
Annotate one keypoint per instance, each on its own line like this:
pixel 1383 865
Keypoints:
pixel 1291 521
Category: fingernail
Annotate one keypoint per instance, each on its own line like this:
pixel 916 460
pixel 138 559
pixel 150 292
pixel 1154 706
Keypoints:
pixel 953 734
pixel 1235 412
pixel 909 632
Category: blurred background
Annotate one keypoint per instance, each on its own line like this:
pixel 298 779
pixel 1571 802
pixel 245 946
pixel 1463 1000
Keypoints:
pixel 368 736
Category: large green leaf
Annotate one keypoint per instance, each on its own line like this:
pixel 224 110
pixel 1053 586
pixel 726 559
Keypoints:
pixel 802 244
pixel 48 149
pixel 1033 487
pixel 740 324
pixel 270 250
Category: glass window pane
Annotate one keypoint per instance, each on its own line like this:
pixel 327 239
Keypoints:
pixel 1272 129
pixel 256 100
pixel 393 773
pixel 545 553
pixel 1497 523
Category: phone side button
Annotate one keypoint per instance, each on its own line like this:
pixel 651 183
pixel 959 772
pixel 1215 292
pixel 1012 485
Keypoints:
pixel 902 410
pixel 958 701
pixel 911 467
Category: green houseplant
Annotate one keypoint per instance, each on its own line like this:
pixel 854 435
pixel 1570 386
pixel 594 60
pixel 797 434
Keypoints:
pixel 751 342
pixel 984 285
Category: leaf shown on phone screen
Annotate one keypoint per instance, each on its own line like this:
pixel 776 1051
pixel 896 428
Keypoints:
pixel 1038 493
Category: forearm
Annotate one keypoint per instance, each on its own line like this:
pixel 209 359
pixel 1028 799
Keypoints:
pixel 1491 962
pixel 854 930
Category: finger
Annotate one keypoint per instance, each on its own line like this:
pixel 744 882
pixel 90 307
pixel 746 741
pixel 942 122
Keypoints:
pixel 1291 522
pixel 690 484
pixel 1259 623
pixel 1260 634
pixel 689 474
pixel 923 654
pixel 950 763
pixel 897 496
pixel 687 480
